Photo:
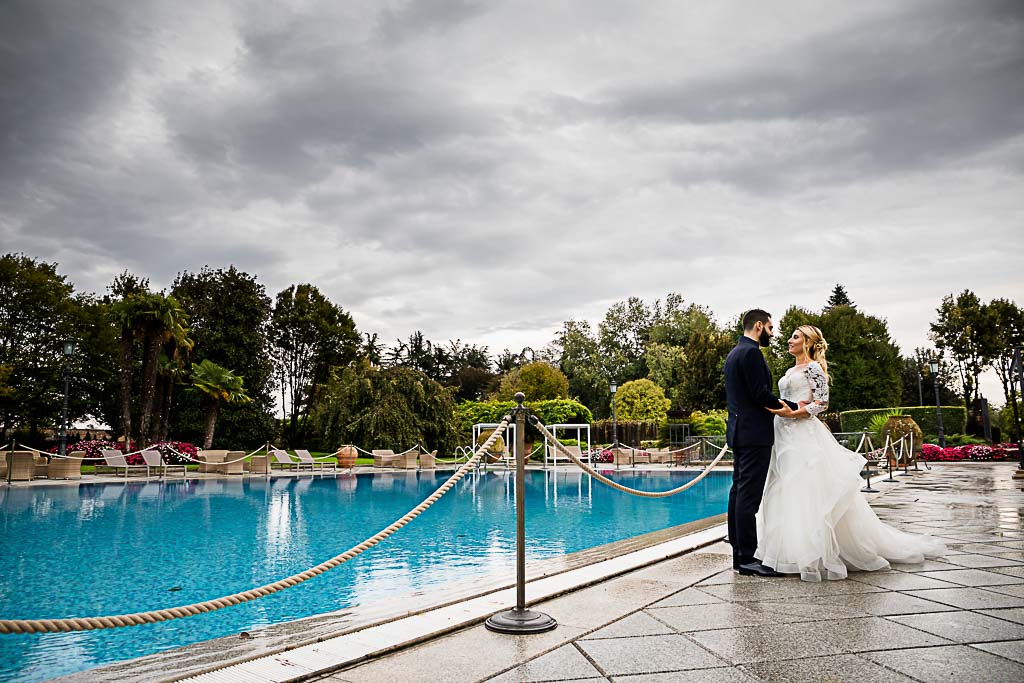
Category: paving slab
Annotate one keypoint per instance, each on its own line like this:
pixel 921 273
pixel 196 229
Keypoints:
pixel 969 598
pixel 963 627
pixel 838 669
pixel 564 664
pixel 1013 649
pixel 952 663
pixel 650 654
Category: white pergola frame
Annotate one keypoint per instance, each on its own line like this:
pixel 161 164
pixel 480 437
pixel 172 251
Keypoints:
pixel 509 436
pixel 550 448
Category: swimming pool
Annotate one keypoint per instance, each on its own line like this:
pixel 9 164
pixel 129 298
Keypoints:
pixel 98 549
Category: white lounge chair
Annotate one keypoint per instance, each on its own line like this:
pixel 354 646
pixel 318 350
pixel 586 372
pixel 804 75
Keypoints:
pixel 283 460
pixel 155 461
pixel 304 456
pixel 113 459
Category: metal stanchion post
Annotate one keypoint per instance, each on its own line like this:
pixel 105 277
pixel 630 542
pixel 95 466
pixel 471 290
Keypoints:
pixel 885 452
pixel 868 488
pixel 520 620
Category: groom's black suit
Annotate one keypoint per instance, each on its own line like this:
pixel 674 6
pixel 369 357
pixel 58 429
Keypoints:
pixel 750 434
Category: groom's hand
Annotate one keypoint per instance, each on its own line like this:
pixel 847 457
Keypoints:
pixel 782 411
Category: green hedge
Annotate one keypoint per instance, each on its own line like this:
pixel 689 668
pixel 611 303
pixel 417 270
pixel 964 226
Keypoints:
pixel 954 418
pixel 554 411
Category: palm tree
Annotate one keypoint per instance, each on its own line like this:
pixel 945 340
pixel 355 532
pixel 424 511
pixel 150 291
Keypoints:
pixel 217 384
pixel 125 315
pixel 163 321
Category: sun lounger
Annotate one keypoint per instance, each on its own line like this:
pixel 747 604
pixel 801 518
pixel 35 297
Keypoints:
pixel 282 460
pixel 113 459
pixel 304 456
pixel 155 461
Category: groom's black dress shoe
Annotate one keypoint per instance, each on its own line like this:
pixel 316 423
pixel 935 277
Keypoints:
pixel 756 569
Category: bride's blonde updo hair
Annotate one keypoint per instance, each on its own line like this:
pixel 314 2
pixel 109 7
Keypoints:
pixel 815 346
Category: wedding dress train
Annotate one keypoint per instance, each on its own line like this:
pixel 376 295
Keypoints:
pixel 813 518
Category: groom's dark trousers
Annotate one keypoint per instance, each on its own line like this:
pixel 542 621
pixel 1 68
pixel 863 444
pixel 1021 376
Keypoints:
pixel 750 434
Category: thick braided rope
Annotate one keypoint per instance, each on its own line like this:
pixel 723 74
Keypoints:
pixel 138 618
pixel 625 489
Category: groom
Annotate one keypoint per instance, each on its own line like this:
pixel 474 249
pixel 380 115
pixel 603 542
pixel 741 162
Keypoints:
pixel 750 434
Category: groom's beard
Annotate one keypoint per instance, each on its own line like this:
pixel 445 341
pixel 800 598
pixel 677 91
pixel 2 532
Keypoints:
pixel 765 339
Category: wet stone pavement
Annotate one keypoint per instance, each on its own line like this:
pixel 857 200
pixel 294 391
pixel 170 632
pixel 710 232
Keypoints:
pixel 693 619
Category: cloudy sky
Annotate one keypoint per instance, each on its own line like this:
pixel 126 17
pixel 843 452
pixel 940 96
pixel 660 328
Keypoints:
pixel 487 170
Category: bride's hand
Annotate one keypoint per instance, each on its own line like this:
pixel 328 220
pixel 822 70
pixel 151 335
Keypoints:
pixel 784 411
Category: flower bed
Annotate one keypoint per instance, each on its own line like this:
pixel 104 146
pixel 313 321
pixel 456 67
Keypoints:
pixel 999 451
pixel 94 450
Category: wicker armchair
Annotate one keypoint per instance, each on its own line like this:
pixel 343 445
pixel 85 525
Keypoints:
pixel 209 460
pixel 19 465
pixel 428 461
pixel 66 468
pixel 226 466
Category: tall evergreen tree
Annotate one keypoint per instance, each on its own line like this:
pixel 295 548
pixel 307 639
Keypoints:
pixel 839 297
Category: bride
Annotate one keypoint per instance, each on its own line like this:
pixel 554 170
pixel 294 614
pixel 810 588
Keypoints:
pixel 813 519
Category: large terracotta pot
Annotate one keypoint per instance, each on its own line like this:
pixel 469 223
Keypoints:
pixel 347 457
pixel 898 426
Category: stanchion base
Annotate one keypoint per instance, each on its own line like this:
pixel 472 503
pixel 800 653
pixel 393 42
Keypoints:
pixel 868 489
pixel 890 480
pixel 519 621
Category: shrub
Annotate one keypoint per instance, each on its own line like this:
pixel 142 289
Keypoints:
pixel 711 423
pixel 877 422
pixel 954 418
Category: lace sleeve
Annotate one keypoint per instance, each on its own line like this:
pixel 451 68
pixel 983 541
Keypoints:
pixel 819 389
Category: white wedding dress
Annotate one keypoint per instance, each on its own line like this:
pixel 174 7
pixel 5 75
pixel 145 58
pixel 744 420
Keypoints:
pixel 813 519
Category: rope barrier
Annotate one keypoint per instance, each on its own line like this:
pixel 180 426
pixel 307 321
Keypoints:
pixel 625 489
pixel 138 618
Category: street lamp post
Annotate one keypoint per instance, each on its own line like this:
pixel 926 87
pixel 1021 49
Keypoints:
pixel 615 421
pixel 920 390
pixel 1018 365
pixel 69 351
pixel 933 364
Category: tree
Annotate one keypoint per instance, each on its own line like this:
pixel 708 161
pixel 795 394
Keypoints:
pixel 309 336
pixel 38 313
pixel 1008 320
pixel 162 322
pixel 622 337
pixel 918 363
pixel 216 384
pixel 864 364
pixel 642 400
pixel 839 298
pixel 580 359
pixel 540 381
pixel 229 313
pixel 386 408
pixel 967 332
pixel 125 313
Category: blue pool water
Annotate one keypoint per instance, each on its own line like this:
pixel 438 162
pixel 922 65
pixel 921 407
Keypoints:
pixel 101 549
